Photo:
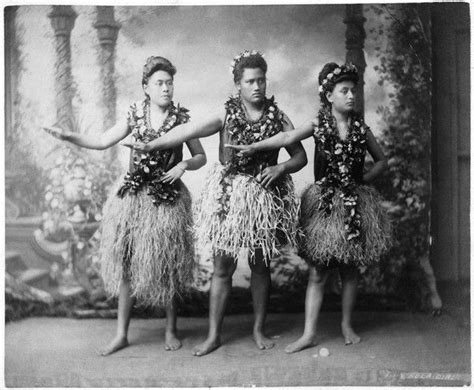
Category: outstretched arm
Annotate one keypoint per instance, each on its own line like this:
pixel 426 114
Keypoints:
pixel 180 134
pixel 98 141
pixel 197 160
pixel 282 139
pixel 379 158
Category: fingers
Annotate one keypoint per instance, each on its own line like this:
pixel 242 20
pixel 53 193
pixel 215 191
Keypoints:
pixel 235 147
pixel 266 178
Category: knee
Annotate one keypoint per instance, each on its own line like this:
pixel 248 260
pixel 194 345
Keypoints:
pixel 348 272
pixel 317 277
pixel 259 266
pixel 224 267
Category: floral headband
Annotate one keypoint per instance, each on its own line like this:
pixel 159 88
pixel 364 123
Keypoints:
pixel 337 73
pixel 244 54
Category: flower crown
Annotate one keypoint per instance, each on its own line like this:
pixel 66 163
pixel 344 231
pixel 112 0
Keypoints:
pixel 244 54
pixel 337 73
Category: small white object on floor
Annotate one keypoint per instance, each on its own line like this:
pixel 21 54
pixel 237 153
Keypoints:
pixel 324 352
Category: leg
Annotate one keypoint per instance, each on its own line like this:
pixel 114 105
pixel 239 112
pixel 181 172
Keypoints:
pixel 314 300
pixel 260 283
pixel 125 303
pixel 172 343
pixel 221 285
pixel 349 293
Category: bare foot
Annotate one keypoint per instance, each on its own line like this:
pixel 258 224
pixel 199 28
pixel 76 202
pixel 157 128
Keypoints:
pixel 350 337
pixel 115 345
pixel 172 343
pixel 207 346
pixel 302 343
pixel 262 341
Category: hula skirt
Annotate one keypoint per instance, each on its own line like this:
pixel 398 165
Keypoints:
pixel 253 218
pixel 151 246
pixel 324 241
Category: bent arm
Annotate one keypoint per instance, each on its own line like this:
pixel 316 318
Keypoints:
pixel 198 158
pixel 380 161
pixel 296 151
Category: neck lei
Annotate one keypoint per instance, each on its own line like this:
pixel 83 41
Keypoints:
pixel 244 131
pixel 150 167
pixel 342 156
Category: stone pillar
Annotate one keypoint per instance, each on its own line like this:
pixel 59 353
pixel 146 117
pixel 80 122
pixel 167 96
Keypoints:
pixel 107 31
pixel 12 68
pixel 355 37
pixel 62 19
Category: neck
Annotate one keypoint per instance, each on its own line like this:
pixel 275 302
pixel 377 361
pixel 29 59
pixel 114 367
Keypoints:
pixel 253 107
pixel 340 116
pixel 157 108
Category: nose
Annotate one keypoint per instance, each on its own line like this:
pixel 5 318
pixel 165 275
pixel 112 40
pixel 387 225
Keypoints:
pixel 350 95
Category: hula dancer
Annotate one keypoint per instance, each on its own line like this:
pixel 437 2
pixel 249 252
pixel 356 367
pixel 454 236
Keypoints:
pixel 342 219
pixel 147 244
pixel 249 202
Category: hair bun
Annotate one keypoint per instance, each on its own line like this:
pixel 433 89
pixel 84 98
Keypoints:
pixel 155 63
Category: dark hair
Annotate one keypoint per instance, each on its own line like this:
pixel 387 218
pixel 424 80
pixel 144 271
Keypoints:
pixel 251 62
pixel 154 64
pixel 348 73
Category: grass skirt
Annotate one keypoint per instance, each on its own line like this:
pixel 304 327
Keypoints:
pixel 255 218
pixel 150 245
pixel 324 241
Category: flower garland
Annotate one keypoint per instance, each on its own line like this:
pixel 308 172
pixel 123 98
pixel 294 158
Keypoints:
pixel 245 132
pixel 244 54
pixel 342 157
pixel 150 167
pixel 331 78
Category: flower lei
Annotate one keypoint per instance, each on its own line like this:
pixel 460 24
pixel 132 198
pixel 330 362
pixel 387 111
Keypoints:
pixel 150 167
pixel 245 132
pixel 245 53
pixel 342 157
pixel 331 78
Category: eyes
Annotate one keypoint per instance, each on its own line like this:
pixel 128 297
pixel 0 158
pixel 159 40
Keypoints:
pixel 346 90
pixel 160 83
pixel 259 81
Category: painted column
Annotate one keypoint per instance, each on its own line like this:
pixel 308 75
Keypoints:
pixel 355 38
pixel 107 31
pixel 62 19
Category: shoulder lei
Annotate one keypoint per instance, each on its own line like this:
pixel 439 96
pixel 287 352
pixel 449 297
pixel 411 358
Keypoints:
pixel 150 167
pixel 342 156
pixel 245 132
pixel 139 120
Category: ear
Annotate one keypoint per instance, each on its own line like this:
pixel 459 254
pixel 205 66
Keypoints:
pixel 329 96
pixel 237 85
pixel 145 89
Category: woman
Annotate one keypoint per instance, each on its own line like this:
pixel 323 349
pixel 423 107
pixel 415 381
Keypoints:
pixel 243 192
pixel 343 222
pixel 147 245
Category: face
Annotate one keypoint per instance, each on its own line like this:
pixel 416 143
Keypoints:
pixel 160 88
pixel 342 97
pixel 252 85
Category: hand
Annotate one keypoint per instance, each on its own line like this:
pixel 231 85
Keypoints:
pixel 138 146
pixel 243 150
pixel 270 174
pixel 173 174
pixel 58 132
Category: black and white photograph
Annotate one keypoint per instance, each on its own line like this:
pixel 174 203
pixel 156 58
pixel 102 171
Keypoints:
pixel 242 194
